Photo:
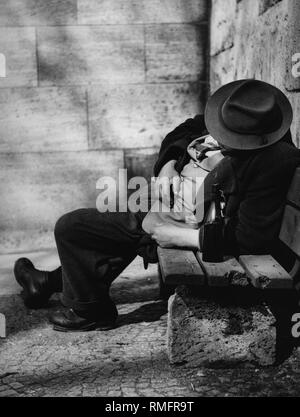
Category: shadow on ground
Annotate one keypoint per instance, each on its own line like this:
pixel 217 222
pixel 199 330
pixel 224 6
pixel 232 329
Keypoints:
pixel 147 313
pixel 127 289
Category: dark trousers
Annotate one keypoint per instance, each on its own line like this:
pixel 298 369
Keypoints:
pixel 94 248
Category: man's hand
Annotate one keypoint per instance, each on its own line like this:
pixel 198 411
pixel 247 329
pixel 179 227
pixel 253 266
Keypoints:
pixel 169 236
pixel 168 176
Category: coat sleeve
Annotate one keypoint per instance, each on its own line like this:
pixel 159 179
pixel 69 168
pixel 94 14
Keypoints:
pixel 176 141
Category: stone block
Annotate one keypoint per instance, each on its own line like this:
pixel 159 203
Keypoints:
pixel 175 52
pixel 37 188
pixel 222 69
pixel 44 119
pixel 292 75
pixel 18 45
pixel 203 331
pixel 141 11
pixel 140 162
pixel 261 43
pixel 134 116
pixel 91 54
pixel 265 5
pixel 222 26
pixel 294 99
pixel 37 12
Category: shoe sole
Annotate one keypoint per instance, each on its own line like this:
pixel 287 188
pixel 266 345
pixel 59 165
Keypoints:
pixel 87 328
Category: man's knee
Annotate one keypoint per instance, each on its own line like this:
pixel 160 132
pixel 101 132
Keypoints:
pixel 66 224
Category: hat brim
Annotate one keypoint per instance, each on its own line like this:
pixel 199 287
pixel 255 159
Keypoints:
pixel 234 140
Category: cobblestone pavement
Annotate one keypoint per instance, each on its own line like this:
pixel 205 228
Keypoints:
pixel 127 361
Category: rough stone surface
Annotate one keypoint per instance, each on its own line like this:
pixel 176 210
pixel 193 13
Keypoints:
pixel 266 4
pixel 37 188
pixel 43 120
pixel 134 115
pixel 141 11
pixel 91 54
pixel 37 12
pixel 175 52
pixel 256 39
pixel 223 30
pixel 292 80
pixel 18 45
pixel 128 361
pixel 223 69
pixel 202 331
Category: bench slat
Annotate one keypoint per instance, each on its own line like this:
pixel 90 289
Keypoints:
pixel 224 274
pixel 180 267
pixel 265 272
pixel 290 229
pixel 294 192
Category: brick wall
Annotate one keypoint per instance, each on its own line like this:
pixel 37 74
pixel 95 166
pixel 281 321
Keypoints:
pixel 257 39
pixel 91 86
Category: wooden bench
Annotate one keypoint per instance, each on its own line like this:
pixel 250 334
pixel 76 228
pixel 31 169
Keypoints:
pixel 212 298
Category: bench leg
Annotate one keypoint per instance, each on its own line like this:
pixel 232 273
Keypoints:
pixel 165 291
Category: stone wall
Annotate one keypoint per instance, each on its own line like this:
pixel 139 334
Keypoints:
pixel 91 86
pixel 257 39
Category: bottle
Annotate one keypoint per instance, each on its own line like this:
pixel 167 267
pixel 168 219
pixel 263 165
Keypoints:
pixel 213 229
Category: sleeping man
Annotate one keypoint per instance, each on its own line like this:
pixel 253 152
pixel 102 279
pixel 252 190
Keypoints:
pixel 249 153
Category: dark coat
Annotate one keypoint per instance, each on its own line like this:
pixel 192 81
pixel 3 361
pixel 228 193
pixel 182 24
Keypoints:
pixel 174 146
pixel 255 184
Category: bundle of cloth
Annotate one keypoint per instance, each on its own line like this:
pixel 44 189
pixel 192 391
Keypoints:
pixel 187 207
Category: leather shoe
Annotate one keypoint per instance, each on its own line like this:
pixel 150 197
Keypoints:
pixel 69 321
pixel 36 291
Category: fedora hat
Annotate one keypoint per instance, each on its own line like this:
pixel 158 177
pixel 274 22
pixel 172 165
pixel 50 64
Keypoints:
pixel 248 114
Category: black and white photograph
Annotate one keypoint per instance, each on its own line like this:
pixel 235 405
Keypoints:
pixel 150 201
